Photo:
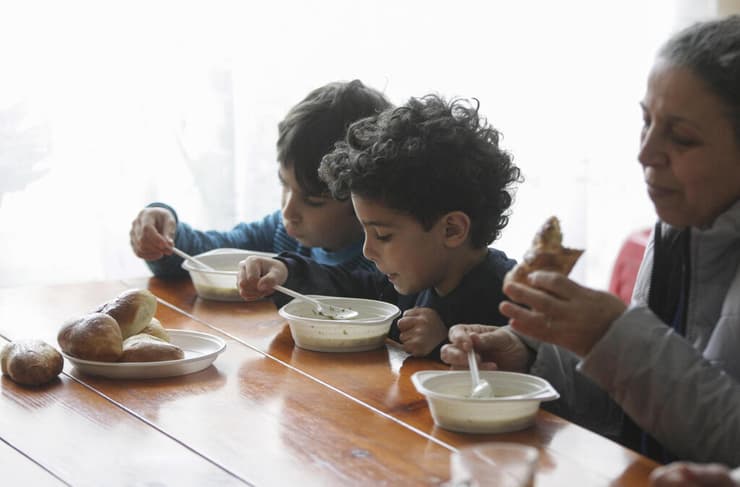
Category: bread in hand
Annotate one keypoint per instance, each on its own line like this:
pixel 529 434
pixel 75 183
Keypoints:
pixel 133 310
pixel 147 348
pixel 95 336
pixel 31 362
pixel 546 253
pixel 155 329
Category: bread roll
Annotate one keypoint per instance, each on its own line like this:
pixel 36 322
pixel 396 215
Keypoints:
pixel 96 336
pixel 155 329
pixel 132 309
pixel 31 362
pixel 546 253
pixel 146 348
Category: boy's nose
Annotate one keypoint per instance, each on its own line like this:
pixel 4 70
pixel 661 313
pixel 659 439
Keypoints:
pixel 290 211
pixel 368 250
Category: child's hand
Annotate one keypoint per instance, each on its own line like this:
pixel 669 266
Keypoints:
pixel 421 330
pixel 497 347
pixel 152 233
pixel 258 276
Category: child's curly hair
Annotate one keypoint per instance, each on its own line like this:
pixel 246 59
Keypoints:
pixel 427 158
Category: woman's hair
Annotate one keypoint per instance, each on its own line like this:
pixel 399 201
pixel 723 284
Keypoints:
pixel 711 49
pixel 427 158
pixel 311 127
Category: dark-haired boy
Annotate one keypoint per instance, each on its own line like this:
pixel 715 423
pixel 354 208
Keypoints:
pixel 431 187
pixel 310 223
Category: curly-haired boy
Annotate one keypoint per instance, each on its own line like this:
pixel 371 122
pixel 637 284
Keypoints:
pixel 432 189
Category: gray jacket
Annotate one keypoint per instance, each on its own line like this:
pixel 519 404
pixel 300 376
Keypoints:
pixel 684 391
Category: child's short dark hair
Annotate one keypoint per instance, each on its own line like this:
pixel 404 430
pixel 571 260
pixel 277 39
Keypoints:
pixel 427 158
pixel 311 127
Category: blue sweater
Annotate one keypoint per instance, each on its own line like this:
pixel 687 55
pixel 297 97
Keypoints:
pixel 474 300
pixel 267 235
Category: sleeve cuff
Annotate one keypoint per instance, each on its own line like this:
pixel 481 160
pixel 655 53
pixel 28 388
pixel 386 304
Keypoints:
pixel 158 204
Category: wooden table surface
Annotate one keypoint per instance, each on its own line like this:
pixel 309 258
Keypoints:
pixel 265 413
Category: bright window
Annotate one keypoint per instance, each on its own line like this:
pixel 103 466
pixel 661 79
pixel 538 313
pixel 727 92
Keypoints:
pixel 107 106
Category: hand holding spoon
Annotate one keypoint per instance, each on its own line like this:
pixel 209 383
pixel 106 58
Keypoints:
pixel 481 388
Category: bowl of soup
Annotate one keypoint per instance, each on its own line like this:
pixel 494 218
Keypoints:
pixel 314 331
pixel 219 284
pixel 512 407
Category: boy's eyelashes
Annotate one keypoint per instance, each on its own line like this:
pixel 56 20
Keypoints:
pixel 314 202
pixel 379 237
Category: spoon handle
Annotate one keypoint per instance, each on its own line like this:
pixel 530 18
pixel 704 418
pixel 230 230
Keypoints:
pixel 297 295
pixel 192 259
pixel 473 366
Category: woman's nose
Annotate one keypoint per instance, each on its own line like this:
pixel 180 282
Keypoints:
pixel 652 152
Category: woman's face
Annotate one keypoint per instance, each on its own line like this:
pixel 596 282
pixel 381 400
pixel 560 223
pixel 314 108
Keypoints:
pixel 688 149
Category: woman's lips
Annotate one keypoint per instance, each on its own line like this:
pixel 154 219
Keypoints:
pixel 659 192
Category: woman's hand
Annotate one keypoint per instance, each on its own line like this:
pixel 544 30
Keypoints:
pixel 498 348
pixel 258 277
pixel 684 474
pixel 560 311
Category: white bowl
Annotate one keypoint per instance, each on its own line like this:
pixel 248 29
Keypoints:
pixel 219 284
pixel 365 332
pixel 513 407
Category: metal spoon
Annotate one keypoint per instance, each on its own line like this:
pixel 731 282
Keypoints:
pixel 326 310
pixel 480 388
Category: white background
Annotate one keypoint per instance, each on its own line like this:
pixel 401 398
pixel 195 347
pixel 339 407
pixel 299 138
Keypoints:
pixel 107 106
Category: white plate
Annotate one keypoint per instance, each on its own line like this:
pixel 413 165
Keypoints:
pixel 201 349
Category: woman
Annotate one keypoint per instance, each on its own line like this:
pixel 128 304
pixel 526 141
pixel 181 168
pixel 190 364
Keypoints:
pixel 667 368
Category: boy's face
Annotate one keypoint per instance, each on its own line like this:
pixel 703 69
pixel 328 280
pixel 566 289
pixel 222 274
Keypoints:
pixel 413 258
pixel 316 221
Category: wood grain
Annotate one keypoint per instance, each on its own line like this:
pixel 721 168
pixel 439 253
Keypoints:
pixel 381 379
pixel 265 413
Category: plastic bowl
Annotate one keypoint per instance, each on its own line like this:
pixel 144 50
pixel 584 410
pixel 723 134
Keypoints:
pixel 513 407
pixel 219 284
pixel 365 332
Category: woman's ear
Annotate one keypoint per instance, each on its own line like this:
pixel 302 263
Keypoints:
pixel 456 226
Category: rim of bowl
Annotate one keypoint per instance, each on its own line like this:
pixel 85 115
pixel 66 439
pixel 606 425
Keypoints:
pixel 322 321
pixel 546 393
pixel 188 266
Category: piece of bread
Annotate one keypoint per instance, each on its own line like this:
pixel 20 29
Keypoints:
pixel 546 253
pixel 95 336
pixel 132 309
pixel 31 362
pixel 147 348
pixel 155 329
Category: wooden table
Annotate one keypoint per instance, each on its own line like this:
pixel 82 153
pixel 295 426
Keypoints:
pixel 265 413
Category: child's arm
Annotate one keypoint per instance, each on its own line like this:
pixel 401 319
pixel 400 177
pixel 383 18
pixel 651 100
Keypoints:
pixel 258 235
pixel 310 277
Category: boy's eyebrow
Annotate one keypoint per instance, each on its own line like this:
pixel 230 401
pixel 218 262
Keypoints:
pixel 375 223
